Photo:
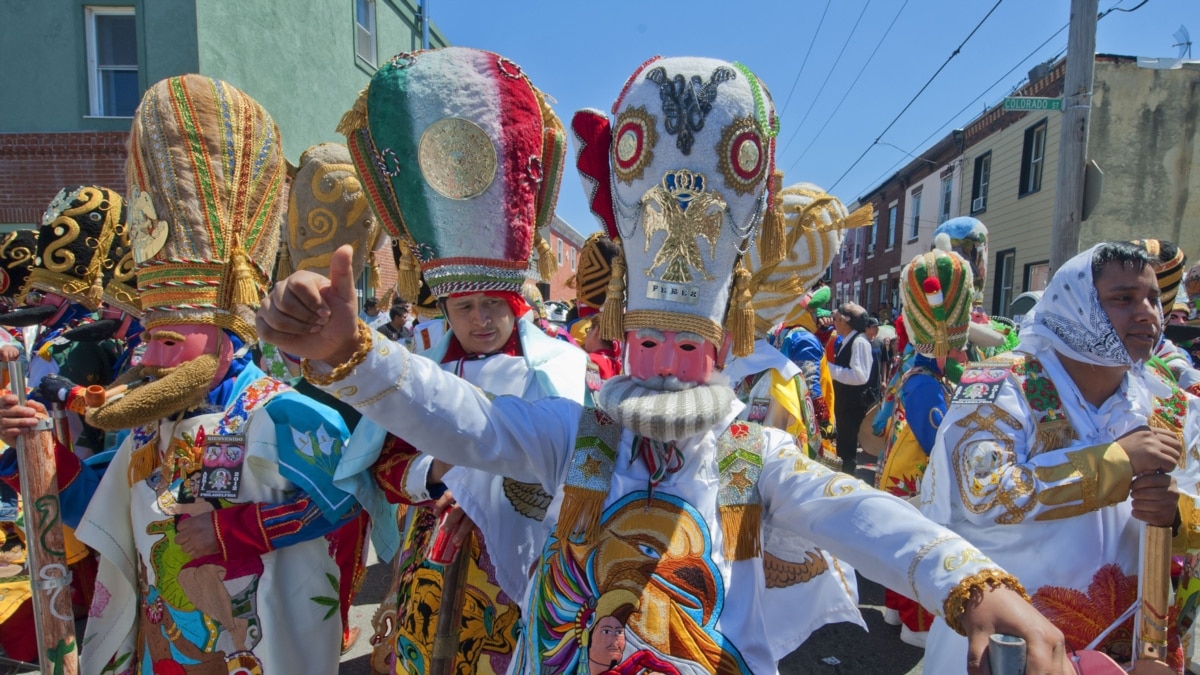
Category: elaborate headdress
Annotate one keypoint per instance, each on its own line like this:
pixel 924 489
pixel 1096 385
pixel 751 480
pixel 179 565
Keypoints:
pixel 462 158
pixel 686 176
pixel 80 245
pixel 17 250
pixel 1168 267
pixel 205 173
pixel 814 225
pixel 936 296
pixel 968 237
pixel 327 209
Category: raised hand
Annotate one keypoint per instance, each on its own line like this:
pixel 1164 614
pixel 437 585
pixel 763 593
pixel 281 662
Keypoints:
pixel 313 317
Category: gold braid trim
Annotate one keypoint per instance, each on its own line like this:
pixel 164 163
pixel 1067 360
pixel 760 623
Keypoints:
pixel 365 342
pixel 973 587
pixel 677 321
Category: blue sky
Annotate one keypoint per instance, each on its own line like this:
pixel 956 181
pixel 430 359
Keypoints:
pixel 581 52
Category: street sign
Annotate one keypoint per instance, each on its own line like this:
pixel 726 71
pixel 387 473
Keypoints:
pixel 1032 103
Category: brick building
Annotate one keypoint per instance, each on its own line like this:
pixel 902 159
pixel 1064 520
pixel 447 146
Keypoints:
pixel 565 243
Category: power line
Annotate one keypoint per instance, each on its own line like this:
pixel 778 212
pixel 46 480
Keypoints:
pixel 996 83
pixel 878 44
pixel 918 94
pixel 824 82
pixel 805 60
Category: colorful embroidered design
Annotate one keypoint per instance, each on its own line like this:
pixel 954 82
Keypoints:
pixel 741 156
pixel 686 103
pixel 686 211
pixel 632 144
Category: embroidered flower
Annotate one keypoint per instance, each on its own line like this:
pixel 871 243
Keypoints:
pixel 303 442
pixel 739 430
pixel 324 441
pixel 100 598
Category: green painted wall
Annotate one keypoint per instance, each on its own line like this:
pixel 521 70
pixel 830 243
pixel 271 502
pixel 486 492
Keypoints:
pixel 43 48
pixel 297 58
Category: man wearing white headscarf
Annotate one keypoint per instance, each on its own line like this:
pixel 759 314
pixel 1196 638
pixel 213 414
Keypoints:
pixel 1069 441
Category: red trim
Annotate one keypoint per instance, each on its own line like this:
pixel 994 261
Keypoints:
pixel 521 142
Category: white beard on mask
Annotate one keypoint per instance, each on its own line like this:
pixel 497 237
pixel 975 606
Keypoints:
pixel 665 414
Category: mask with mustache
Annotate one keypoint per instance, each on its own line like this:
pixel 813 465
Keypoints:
pixel 174 390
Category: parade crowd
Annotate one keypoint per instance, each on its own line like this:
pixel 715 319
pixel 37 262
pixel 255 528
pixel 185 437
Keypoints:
pixel 666 482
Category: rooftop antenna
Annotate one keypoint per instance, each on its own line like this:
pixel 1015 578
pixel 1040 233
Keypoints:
pixel 1184 42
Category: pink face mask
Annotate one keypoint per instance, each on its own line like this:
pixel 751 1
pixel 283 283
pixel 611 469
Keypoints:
pixel 114 314
pixel 37 298
pixel 173 344
pixel 657 356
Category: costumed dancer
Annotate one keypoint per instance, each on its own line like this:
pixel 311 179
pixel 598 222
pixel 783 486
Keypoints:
pixel 936 296
pixel 592 276
pixel 1069 440
pixel 462 158
pixel 774 393
pixel 328 208
pixel 210 520
pixel 1169 359
pixel 800 342
pixel 658 496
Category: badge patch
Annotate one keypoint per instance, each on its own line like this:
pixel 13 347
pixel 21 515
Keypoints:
pixel 758 409
pixel 221 474
pixel 979 385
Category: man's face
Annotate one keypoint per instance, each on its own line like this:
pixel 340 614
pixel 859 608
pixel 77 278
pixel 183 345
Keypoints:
pixel 1130 298
pixel 841 324
pixel 371 310
pixel 871 332
pixel 608 642
pixel 669 359
pixel 1178 317
pixel 482 323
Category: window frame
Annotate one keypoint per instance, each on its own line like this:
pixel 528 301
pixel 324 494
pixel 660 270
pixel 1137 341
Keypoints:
pixel 893 221
pixel 560 252
pixel 914 228
pixel 1033 158
pixel 980 184
pixel 1027 280
pixel 999 306
pixel 947 198
pixel 92 58
pixel 371 31
pixel 873 234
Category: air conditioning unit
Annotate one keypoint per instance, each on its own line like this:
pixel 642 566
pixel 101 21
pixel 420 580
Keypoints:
pixel 977 204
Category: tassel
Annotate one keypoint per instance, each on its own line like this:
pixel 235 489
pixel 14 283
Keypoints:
pixel 612 314
pixel 742 526
pixel 241 281
pixel 579 517
pixel 862 216
pixel 741 313
pixel 547 263
pixel 1055 434
pixel 372 270
pixel 408 273
pixel 283 264
pixel 142 463
pixel 772 246
pixel 96 292
pixel 356 117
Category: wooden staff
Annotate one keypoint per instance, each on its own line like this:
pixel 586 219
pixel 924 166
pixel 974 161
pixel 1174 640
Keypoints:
pixel 454 594
pixel 47 562
pixel 1150 648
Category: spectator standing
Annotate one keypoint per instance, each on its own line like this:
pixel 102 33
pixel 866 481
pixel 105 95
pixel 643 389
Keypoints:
pixel 851 372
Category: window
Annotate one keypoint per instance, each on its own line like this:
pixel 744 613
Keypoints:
pixel 1003 296
pixel 872 233
pixel 895 301
pixel 979 184
pixel 914 228
pixel 947 191
pixel 845 251
pixel 857 292
pixel 112 61
pixel 560 249
pixel 893 213
pixel 857 246
pixel 1033 157
pixel 1037 276
pixel 867 304
pixel 364 30
pixel 573 254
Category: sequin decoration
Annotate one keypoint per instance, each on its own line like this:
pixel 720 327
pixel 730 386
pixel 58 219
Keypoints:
pixel 682 208
pixel 686 103
pixel 741 156
pixel 635 139
pixel 457 158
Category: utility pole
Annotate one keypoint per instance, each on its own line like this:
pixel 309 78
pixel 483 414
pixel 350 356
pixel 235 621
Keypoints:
pixel 1072 154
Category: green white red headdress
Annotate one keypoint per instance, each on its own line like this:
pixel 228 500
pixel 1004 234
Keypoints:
pixel 462 159
pixel 685 178
pixel 936 298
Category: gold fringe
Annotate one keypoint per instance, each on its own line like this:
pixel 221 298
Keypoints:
pixel 579 517
pixel 408 273
pixel 975 586
pixel 771 246
pixel 241 281
pixel 547 263
pixel 742 527
pixel 862 216
pixel 1055 434
pixel 356 117
pixel 142 463
pixel 741 312
pixel 283 266
pixel 612 319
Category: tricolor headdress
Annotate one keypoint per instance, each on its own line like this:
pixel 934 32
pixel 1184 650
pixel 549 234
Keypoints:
pixel 686 177
pixel 968 237
pixel 1168 267
pixel 462 158
pixel 327 209
pixel 205 171
pixel 936 296
pixel 81 244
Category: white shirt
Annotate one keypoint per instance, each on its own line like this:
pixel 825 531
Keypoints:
pixel 860 362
